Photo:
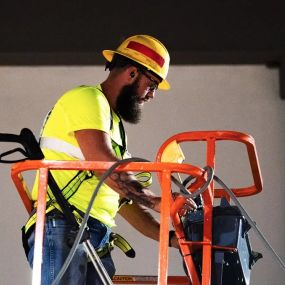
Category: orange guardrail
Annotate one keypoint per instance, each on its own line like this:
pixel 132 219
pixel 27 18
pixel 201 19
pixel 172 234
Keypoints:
pixel 44 166
pixel 211 138
pixel 169 207
pixel 187 247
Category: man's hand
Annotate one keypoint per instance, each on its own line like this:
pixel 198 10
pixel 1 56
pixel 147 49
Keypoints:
pixel 186 204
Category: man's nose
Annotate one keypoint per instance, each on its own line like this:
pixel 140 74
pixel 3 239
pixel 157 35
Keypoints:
pixel 150 94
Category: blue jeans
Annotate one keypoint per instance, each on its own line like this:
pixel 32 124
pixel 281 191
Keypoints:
pixel 55 250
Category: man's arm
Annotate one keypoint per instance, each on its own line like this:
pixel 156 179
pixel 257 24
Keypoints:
pixel 141 219
pixel 96 146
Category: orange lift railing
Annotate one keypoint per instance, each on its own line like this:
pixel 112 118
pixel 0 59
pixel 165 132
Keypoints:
pixel 170 208
pixel 206 245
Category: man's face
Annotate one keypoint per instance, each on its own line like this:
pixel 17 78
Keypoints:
pixel 132 97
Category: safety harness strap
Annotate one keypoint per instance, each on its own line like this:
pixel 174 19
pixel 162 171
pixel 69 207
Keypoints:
pixel 34 152
pixel 120 242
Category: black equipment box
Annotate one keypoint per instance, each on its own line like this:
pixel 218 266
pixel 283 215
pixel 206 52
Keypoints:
pixel 230 229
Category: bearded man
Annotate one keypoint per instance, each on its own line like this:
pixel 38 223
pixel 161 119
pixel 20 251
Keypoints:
pixel 86 124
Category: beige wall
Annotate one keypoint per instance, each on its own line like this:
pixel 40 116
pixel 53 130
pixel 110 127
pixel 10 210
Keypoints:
pixel 239 98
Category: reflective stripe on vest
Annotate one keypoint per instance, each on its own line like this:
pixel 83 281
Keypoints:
pixel 71 150
pixel 61 146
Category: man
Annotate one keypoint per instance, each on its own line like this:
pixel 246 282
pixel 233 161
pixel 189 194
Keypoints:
pixel 86 124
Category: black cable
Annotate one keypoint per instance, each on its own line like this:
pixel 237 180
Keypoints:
pixel 186 193
pixel 251 222
pixel 210 177
pixel 77 240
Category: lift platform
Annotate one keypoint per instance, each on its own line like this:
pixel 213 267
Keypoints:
pixel 168 162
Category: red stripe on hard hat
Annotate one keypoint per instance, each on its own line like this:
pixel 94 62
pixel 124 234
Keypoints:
pixel 147 52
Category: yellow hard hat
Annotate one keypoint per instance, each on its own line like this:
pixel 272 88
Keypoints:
pixel 148 52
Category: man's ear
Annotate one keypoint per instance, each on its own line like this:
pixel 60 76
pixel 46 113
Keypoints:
pixel 132 72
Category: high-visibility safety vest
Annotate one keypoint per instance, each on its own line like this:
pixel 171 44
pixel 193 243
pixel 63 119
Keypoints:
pixel 84 107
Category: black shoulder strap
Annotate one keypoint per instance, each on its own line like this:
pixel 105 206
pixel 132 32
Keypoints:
pixel 33 151
pixel 123 148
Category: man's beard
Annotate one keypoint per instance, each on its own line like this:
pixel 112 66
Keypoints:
pixel 128 105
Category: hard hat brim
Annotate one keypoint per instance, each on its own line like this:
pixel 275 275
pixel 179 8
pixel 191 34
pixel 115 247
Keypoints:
pixel 108 54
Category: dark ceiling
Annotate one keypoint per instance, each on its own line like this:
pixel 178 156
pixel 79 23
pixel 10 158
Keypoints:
pixel 195 32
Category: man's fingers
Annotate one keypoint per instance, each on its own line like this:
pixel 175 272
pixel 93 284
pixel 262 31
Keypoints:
pixel 191 203
pixel 186 204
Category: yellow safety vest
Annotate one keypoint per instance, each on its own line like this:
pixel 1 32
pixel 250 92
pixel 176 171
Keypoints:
pixel 84 107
